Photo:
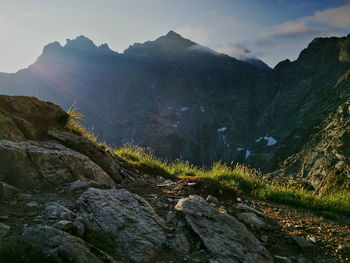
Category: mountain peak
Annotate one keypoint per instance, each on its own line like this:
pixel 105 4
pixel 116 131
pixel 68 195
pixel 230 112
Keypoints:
pixel 81 42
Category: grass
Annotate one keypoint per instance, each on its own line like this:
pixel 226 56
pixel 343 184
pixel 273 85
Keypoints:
pixel 241 179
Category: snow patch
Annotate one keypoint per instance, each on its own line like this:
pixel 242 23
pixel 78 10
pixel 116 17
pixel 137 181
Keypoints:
pixel 222 129
pixel 202 108
pixel 270 140
pixel 184 109
pixel 239 149
pixel 247 153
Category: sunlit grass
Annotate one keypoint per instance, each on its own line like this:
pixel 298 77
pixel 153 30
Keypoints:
pixel 240 178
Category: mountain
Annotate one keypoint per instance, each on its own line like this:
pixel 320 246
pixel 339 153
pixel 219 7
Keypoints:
pixel 171 94
pixel 186 101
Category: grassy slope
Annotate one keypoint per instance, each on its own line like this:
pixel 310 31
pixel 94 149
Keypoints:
pixel 239 178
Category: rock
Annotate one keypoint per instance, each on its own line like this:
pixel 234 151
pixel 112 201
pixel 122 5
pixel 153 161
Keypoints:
pixel 245 208
pixel 264 239
pixel 32 204
pixel 24 197
pixel 28 118
pixel 121 223
pixel 56 211
pixel 79 227
pixel 250 219
pixel 83 185
pixel 104 158
pixel 212 199
pixel 64 225
pixel 224 237
pixel 279 259
pixel 7 191
pixel 57 246
pixel 4 230
pixel 29 164
pixel 179 244
pixel 302 243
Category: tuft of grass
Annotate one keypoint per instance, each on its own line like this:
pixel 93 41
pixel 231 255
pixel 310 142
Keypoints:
pixel 241 179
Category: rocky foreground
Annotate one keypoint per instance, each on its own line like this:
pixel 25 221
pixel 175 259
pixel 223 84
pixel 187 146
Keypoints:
pixel 66 199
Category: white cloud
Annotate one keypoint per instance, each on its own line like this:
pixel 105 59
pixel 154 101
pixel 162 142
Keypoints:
pixel 238 51
pixel 197 34
pixel 338 17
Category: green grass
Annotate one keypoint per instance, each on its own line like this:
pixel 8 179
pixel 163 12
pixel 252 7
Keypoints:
pixel 240 178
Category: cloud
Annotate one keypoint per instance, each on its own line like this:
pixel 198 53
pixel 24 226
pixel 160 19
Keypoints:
pixel 338 17
pixel 239 51
pixel 200 48
pixel 197 34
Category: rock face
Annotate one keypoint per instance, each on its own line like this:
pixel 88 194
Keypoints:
pixel 121 223
pixel 30 164
pixel 57 246
pixel 225 238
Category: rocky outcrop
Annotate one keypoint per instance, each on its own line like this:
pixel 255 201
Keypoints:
pixel 57 246
pixel 225 238
pixel 121 223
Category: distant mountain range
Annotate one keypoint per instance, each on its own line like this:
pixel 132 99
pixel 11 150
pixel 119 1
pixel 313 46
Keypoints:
pixel 188 101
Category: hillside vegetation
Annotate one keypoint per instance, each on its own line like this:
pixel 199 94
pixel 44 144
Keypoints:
pixel 240 178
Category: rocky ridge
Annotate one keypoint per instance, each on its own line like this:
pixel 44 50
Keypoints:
pixel 66 199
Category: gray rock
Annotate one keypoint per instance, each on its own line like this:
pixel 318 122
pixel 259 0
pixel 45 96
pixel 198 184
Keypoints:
pixel 121 223
pixel 7 191
pixel 32 204
pixel 24 197
pixel 57 246
pixel 179 244
pixel 250 219
pixel 224 237
pixel 64 225
pixel 212 199
pixel 4 230
pixel 246 208
pixel 79 227
pixel 83 185
pixel 302 243
pixel 54 210
pixel 104 158
pixel 280 259
pixel 29 164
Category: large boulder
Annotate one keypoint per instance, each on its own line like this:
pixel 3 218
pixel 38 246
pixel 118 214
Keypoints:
pixel 29 164
pixel 28 118
pixel 108 161
pixel 121 223
pixel 56 246
pixel 226 239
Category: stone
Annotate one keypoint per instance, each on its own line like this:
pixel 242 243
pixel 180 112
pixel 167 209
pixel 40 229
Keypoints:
pixel 58 246
pixel 179 244
pixel 83 185
pixel 212 199
pixel 246 208
pixel 24 197
pixel 79 227
pixel 30 164
pixel 32 204
pixel 4 230
pixel 7 191
pixel 264 239
pixel 64 225
pixel 224 237
pixel 250 219
pixel 121 223
pixel 55 210
pixel 280 259
pixel 104 158
pixel 302 243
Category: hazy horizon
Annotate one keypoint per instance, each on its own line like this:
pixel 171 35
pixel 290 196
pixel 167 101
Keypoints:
pixel 271 30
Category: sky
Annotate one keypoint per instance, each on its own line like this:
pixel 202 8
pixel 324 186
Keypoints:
pixel 271 30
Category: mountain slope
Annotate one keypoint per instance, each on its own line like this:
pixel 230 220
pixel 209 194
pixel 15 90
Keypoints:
pixel 170 94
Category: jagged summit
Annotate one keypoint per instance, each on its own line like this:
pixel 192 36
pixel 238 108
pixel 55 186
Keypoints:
pixel 170 44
